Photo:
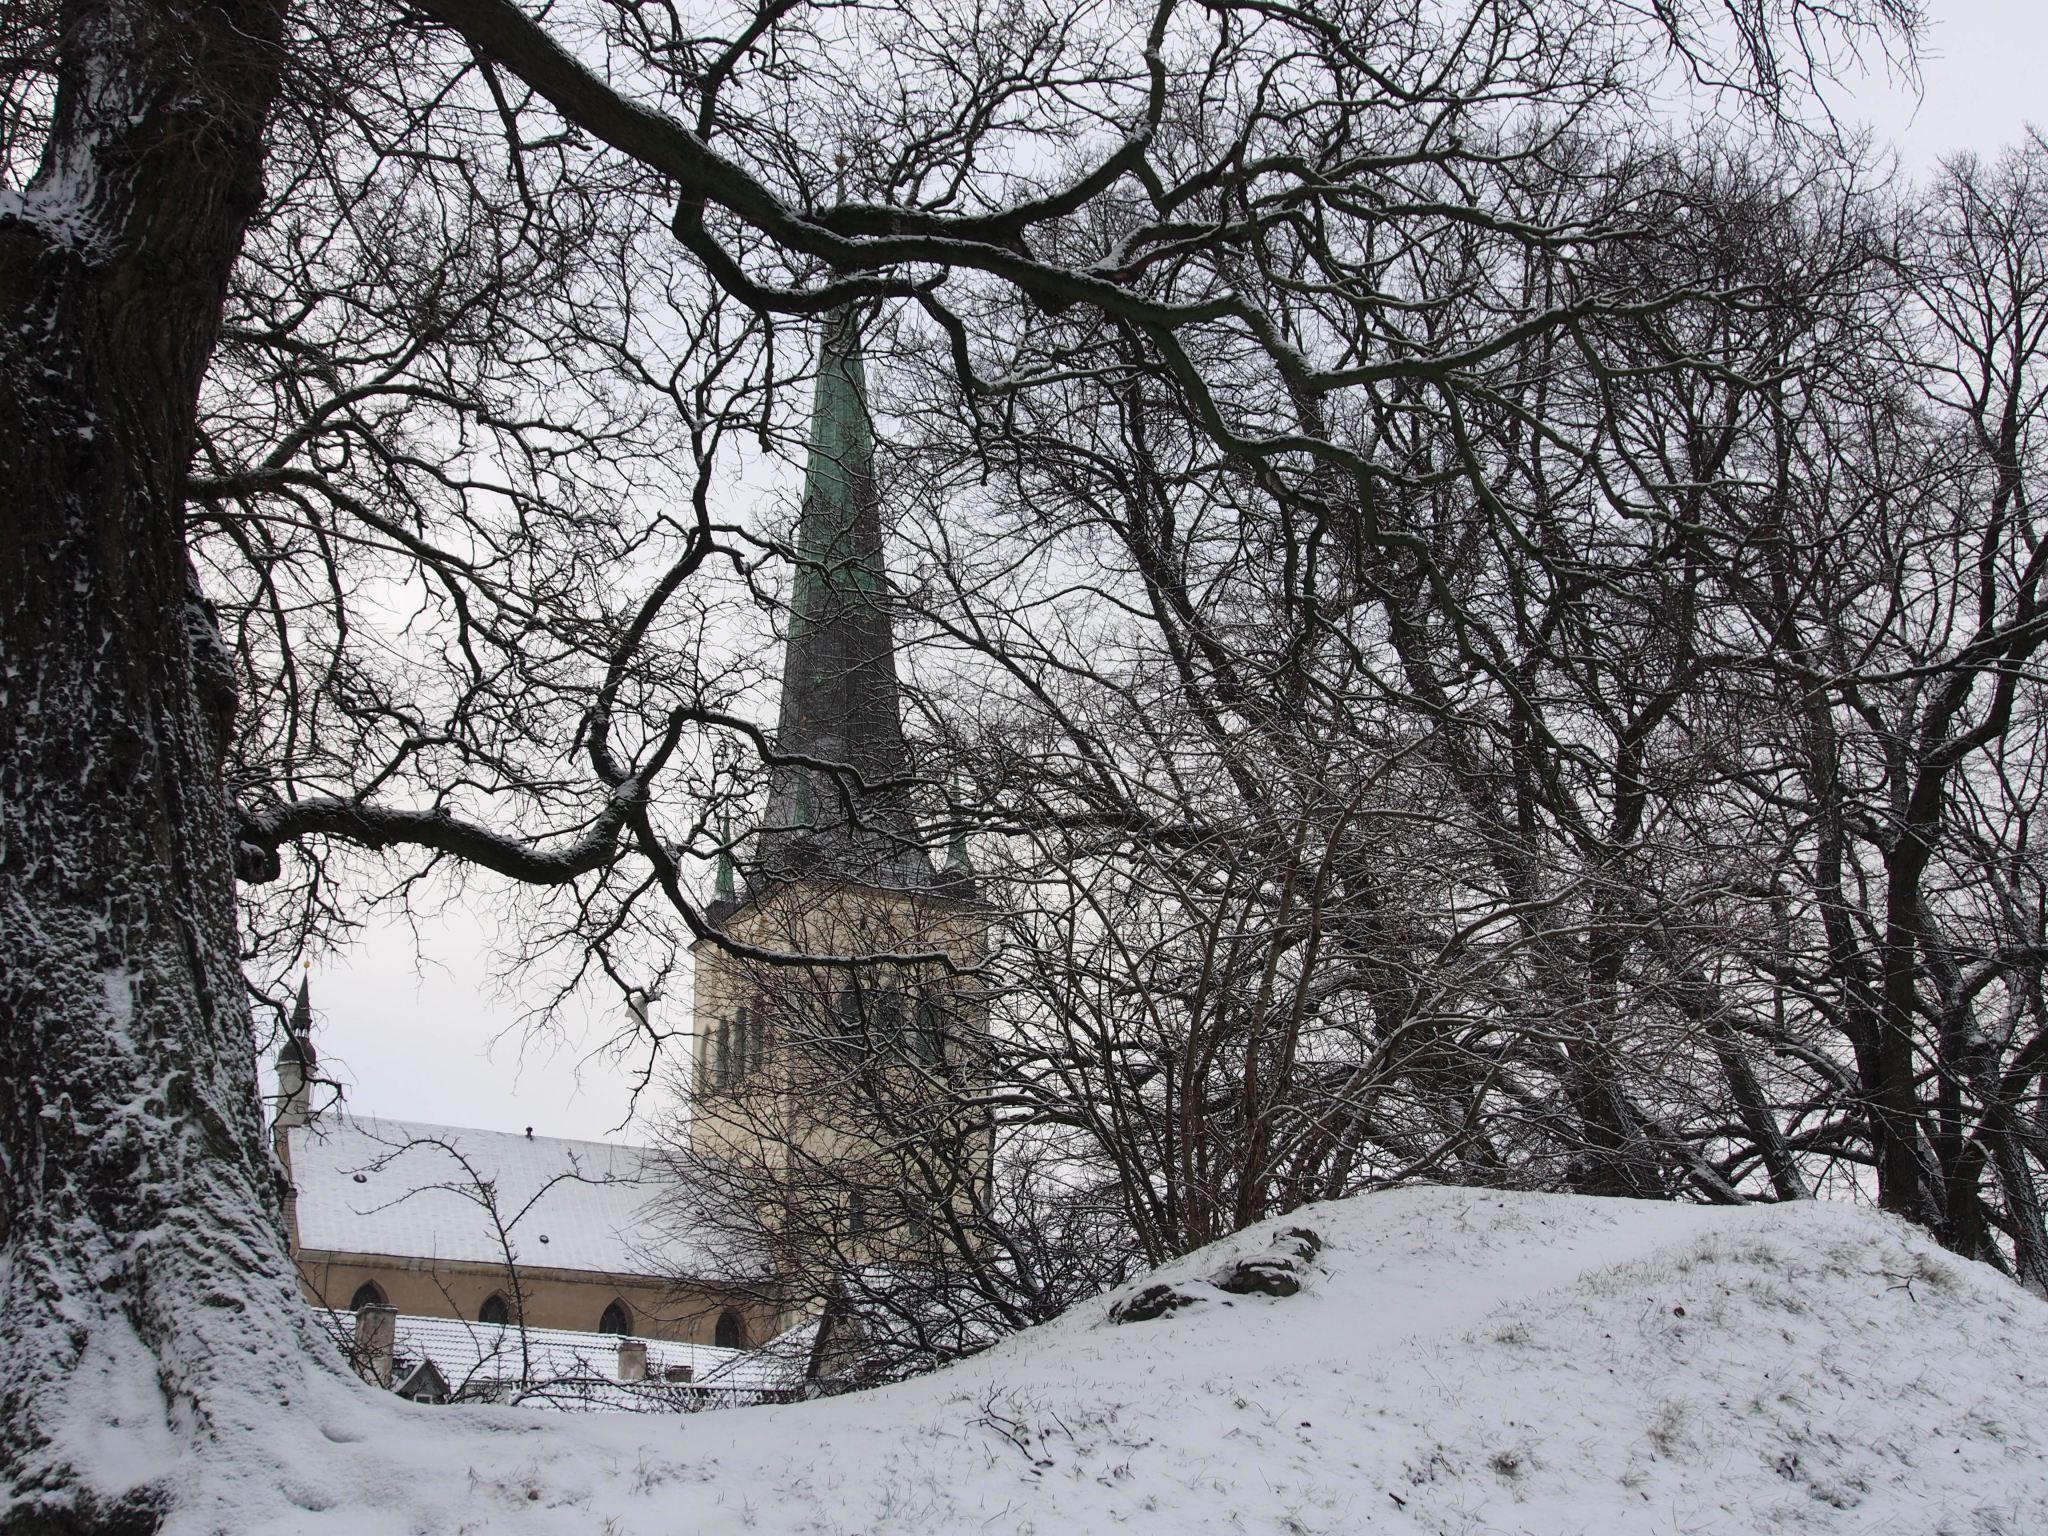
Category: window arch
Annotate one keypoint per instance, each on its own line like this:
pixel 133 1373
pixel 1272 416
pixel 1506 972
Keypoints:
pixel 731 1332
pixel 616 1319
pixel 721 1054
pixel 928 1034
pixel 873 1019
pixel 368 1294
pixel 494 1310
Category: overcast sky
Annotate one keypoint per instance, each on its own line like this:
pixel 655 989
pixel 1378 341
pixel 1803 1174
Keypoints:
pixel 1984 78
pixel 435 1038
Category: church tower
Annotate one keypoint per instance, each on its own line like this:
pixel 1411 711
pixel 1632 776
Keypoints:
pixel 809 1080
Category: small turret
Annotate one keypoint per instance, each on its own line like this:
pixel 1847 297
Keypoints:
pixel 725 894
pixel 296 1065
pixel 956 879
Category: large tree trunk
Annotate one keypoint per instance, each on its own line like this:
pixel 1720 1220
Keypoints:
pixel 144 1285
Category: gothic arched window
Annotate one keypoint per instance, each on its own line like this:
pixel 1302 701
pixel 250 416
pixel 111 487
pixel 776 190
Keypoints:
pixel 852 1016
pixel 916 1213
pixel 731 1332
pixel 743 1045
pixel 886 1020
pixel 757 1039
pixel 616 1319
pixel 368 1294
pixel 928 1034
pixel 494 1311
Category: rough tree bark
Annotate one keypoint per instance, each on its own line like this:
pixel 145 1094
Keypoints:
pixel 142 1265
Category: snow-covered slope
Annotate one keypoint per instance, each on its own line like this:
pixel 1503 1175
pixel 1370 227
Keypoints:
pixel 1456 1362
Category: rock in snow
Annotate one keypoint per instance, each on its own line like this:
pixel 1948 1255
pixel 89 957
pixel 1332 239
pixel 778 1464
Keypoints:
pixel 1453 1362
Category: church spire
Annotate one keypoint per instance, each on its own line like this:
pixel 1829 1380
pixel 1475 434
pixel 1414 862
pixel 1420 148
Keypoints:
pixel 302 1011
pixel 839 694
pixel 297 1062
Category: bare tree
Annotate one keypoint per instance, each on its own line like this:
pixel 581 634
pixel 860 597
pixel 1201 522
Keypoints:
pixel 1589 845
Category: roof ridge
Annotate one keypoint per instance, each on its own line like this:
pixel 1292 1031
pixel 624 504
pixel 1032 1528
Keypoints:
pixel 357 1121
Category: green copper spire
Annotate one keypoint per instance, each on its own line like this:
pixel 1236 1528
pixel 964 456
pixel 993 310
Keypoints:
pixel 836 567
pixel 839 694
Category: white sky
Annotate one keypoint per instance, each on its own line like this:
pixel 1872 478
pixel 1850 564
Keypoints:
pixel 426 1031
pixel 1984 77
pixel 428 1034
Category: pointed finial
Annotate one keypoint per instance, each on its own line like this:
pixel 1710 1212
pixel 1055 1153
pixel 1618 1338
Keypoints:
pixel 957 862
pixel 302 1013
pixel 724 890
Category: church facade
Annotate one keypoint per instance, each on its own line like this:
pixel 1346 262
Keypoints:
pixel 491 1228
pixel 825 1097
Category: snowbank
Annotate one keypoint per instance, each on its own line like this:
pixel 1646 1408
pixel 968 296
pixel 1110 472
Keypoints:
pixel 1455 1362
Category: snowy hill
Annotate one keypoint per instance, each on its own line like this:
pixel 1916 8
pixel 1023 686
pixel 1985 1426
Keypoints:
pixel 1454 1363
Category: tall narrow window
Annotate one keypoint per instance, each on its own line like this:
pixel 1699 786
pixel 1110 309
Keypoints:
pixel 368 1294
pixel 721 1055
pixel 494 1311
pixel 615 1319
pixel 731 1332
pixel 928 1034
pixel 884 1019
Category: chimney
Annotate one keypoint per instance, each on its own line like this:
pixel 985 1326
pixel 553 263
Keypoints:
pixel 295 1065
pixel 632 1359
pixel 377 1341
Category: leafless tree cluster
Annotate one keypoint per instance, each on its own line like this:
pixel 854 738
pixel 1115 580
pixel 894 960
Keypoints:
pixel 1621 781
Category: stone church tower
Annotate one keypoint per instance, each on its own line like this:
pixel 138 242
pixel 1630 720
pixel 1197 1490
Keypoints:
pixel 836 1092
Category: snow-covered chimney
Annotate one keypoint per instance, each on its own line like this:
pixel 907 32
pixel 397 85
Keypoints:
pixel 632 1359
pixel 295 1066
pixel 377 1341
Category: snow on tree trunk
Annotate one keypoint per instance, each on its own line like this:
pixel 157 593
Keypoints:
pixel 144 1283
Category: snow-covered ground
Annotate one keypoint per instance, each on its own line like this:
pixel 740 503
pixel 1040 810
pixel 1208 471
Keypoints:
pixel 1456 1362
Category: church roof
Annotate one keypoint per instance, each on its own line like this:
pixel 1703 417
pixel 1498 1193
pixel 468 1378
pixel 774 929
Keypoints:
pixel 411 1190
pixel 840 701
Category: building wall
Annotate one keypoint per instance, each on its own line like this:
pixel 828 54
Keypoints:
pixel 801 1130
pixel 815 918
pixel 553 1298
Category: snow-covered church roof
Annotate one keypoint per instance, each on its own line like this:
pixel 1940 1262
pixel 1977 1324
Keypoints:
pixel 415 1190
